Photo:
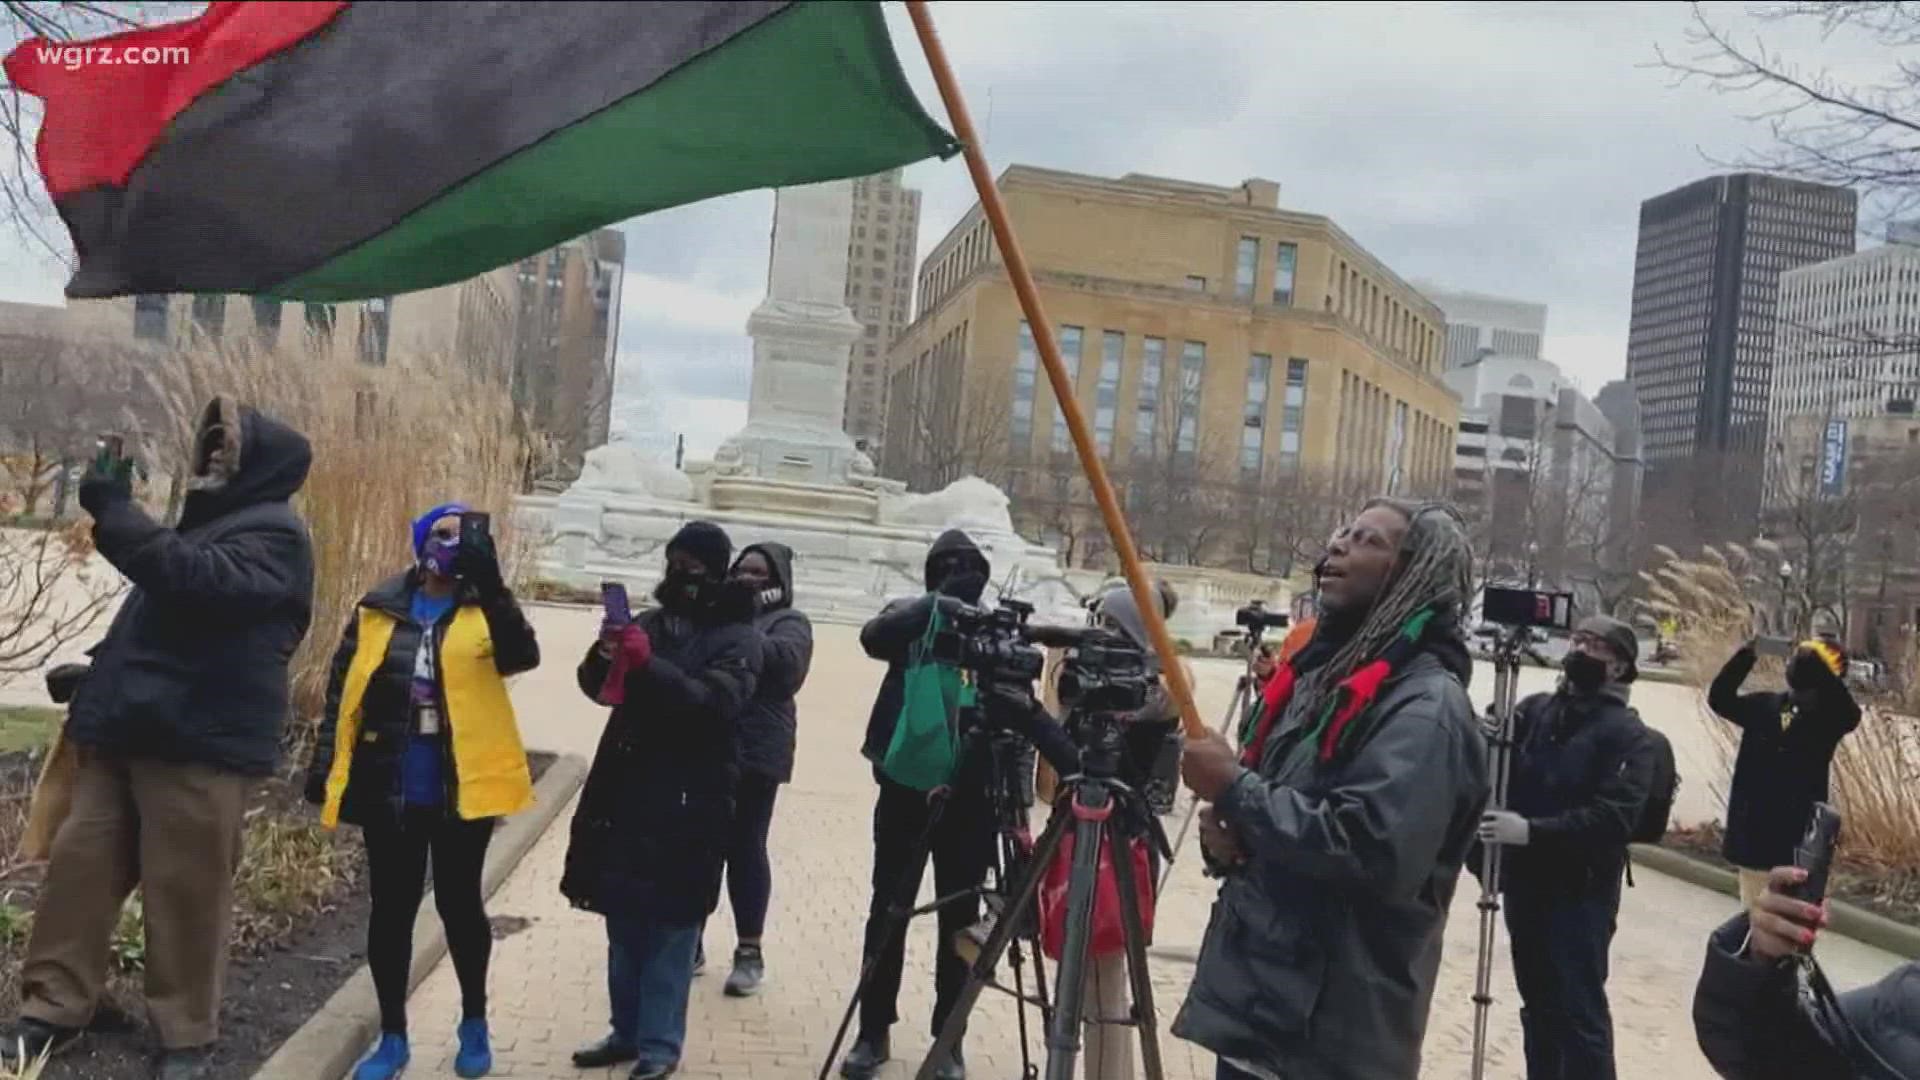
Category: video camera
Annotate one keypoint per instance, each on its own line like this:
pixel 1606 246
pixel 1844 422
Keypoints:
pixel 1528 608
pixel 1255 616
pixel 1102 671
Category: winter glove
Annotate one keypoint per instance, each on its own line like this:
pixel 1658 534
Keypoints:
pixel 1503 827
pixel 478 565
pixel 631 650
pixel 635 647
pixel 101 488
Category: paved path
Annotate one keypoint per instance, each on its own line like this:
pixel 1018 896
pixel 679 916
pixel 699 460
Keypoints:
pixel 548 990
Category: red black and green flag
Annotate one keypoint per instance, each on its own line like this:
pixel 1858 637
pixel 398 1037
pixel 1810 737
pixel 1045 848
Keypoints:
pixel 337 151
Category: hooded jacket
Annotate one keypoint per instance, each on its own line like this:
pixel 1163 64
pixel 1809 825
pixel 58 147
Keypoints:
pixel 1581 773
pixel 1753 1023
pixel 193 669
pixel 355 774
pixel 1784 763
pixel 647 835
pixel 1320 958
pixel 889 635
pixel 766 733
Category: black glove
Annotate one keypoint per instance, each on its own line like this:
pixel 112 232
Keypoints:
pixel 477 564
pixel 64 681
pixel 101 488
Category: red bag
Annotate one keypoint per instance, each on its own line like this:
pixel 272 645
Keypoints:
pixel 1109 937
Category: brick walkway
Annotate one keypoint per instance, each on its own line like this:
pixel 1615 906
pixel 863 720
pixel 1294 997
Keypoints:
pixel 548 985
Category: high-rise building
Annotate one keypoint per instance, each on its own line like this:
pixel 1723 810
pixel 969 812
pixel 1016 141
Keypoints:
pixel 1700 346
pixel 880 254
pixel 1618 404
pixel 1214 339
pixel 1846 340
pixel 1478 324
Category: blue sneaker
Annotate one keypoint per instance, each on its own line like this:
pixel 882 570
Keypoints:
pixel 388 1060
pixel 476 1052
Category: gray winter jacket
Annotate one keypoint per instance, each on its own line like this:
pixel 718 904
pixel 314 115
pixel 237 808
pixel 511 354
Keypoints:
pixel 1320 957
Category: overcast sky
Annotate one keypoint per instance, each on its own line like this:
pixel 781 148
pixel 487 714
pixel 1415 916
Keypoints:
pixel 1496 147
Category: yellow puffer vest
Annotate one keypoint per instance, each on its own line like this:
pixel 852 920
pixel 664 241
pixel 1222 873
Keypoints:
pixel 489 762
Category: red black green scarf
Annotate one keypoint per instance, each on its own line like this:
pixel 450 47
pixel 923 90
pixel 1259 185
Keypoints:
pixel 1355 694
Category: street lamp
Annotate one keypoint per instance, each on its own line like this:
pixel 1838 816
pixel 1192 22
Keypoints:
pixel 1786 581
pixel 1533 552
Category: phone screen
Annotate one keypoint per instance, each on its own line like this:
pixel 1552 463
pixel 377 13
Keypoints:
pixel 1774 646
pixel 613 601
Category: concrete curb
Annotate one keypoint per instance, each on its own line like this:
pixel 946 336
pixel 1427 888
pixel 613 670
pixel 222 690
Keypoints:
pixel 334 1039
pixel 1850 921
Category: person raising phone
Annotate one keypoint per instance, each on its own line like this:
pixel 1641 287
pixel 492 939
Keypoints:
pixel 426 655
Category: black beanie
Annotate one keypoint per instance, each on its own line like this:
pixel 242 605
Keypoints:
pixel 704 541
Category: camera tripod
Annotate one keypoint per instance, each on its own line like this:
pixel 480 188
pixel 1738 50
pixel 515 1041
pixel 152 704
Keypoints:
pixel 1097 806
pixel 1009 769
pixel 1244 691
pixel 1508 648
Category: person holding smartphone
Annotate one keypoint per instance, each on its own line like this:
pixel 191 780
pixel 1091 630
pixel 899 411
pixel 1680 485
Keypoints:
pixel 648 839
pixel 1787 743
pixel 1754 1024
pixel 426 655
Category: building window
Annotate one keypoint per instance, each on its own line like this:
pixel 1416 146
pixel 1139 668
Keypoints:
pixel 1146 410
pixel 210 314
pixel 1285 257
pixel 1106 399
pixel 1245 263
pixel 1293 412
pixel 375 319
pixel 266 320
pixel 1253 418
pixel 1196 283
pixel 150 317
pixel 1193 364
pixel 1026 369
pixel 1072 338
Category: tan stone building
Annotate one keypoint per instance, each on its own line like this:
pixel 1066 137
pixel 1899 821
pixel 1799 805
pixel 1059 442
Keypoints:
pixel 1208 330
pixel 880 253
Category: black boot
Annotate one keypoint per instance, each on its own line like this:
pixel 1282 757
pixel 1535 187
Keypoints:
pixel 612 1050
pixel 29 1040
pixel 954 1068
pixel 189 1064
pixel 869 1053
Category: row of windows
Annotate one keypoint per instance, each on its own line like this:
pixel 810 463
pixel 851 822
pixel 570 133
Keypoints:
pixel 1246 268
pixel 207 316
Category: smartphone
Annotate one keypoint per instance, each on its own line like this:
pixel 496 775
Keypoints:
pixel 613 601
pixel 476 529
pixel 1815 853
pixel 109 450
pixel 1777 647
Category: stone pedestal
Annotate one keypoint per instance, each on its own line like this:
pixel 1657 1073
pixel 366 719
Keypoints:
pixel 803 334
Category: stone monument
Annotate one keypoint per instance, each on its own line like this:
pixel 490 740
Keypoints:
pixel 791 474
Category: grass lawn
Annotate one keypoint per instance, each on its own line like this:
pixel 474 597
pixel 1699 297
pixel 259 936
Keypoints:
pixel 26 727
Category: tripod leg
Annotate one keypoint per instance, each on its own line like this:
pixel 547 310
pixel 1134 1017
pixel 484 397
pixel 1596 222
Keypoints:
pixel 1063 1038
pixel 1235 709
pixel 1136 931
pixel 1003 932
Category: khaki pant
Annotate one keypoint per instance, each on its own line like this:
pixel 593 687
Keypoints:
pixel 1753 883
pixel 1109 996
pixel 174 830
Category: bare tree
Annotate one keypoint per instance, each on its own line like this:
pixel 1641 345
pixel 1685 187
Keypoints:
pixel 56 398
pixel 942 430
pixel 49 596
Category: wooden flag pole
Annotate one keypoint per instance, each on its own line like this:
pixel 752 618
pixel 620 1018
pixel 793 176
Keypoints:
pixel 996 211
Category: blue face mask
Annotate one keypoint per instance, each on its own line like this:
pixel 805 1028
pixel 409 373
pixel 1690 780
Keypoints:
pixel 437 557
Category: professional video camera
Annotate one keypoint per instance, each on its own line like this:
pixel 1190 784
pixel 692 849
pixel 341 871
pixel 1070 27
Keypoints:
pixel 1102 671
pixel 990 642
pixel 1255 616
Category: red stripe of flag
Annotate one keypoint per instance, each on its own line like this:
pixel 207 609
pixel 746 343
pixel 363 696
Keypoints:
pixel 103 115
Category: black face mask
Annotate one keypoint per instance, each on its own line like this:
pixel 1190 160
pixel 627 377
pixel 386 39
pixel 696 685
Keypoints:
pixel 965 585
pixel 1585 674
pixel 682 591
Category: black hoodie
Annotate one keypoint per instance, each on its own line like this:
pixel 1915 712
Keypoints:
pixel 888 635
pixel 766 732
pixel 194 667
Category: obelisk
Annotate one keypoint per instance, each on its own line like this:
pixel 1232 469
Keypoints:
pixel 803 334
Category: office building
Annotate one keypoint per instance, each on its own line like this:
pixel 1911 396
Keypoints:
pixel 1700 345
pixel 1845 344
pixel 1478 324
pixel 1212 335
pixel 880 254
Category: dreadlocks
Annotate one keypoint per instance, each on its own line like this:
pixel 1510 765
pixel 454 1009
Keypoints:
pixel 1433 579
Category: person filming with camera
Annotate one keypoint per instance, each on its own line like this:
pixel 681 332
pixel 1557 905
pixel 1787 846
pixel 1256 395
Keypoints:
pixel 1581 773
pixel 1754 1021
pixel 1342 829
pixel 1787 743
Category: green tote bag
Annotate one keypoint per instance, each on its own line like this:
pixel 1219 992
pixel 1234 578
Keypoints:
pixel 926 744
